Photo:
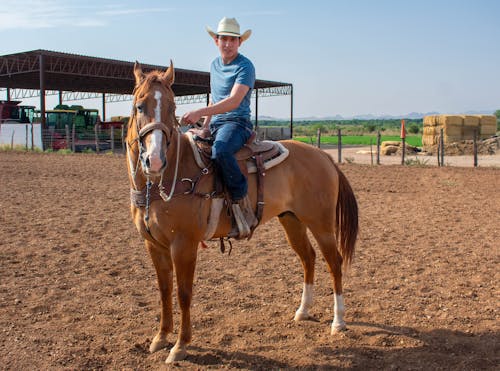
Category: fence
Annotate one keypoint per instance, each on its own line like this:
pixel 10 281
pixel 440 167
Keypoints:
pixel 32 136
pixel 474 152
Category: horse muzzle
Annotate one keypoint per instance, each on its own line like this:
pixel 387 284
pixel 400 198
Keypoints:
pixel 153 164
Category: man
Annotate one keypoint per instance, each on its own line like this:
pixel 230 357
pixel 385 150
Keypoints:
pixel 232 77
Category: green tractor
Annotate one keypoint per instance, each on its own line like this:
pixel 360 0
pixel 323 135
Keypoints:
pixel 64 119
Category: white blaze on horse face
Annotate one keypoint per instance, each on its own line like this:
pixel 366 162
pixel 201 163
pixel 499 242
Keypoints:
pixel 154 150
pixel 338 323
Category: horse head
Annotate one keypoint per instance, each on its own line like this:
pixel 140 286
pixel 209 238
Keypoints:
pixel 153 123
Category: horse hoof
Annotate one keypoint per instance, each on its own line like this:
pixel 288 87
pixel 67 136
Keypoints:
pixel 301 316
pixel 158 343
pixel 176 354
pixel 337 328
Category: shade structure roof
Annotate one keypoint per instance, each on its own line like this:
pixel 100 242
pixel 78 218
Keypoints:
pixel 78 73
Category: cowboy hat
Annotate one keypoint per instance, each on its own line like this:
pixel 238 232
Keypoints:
pixel 229 27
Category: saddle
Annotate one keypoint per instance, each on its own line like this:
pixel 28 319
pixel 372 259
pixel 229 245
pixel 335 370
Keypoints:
pixel 254 157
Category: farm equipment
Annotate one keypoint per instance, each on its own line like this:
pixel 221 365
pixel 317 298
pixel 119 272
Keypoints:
pixel 76 125
pixel 12 112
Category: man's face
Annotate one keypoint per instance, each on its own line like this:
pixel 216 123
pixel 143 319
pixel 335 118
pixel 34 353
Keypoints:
pixel 228 47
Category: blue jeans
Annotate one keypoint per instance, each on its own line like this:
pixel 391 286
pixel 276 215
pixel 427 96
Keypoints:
pixel 229 138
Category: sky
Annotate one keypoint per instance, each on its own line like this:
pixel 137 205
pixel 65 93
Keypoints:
pixel 343 57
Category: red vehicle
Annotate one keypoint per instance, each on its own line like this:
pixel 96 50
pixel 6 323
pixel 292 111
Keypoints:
pixel 12 112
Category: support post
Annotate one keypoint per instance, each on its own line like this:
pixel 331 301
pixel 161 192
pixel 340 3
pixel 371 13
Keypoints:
pixel 339 144
pixel 103 107
pixel 442 147
pixel 60 97
pixel 96 138
pixel 257 112
pixel 122 137
pixel 68 139
pixel 73 136
pixel 318 138
pixel 291 111
pixel 42 90
pixel 403 142
pixel 475 147
pixel 378 147
pixel 112 139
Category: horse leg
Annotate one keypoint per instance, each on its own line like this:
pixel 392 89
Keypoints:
pixel 296 233
pixel 163 266
pixel 328 246
pixel 184 259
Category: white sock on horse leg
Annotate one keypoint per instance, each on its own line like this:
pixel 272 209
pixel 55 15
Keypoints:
pixel 338 323
pixel 306 303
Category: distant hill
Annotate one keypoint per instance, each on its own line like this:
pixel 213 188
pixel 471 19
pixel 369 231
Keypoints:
pixel 369 116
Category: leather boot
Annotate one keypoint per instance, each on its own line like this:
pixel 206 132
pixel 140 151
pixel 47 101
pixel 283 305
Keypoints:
pixel 244 216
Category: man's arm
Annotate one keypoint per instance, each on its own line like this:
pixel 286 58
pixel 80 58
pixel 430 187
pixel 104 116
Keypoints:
pixel 238 92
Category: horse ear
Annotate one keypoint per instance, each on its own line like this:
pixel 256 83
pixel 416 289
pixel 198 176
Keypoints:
pixel 139 75
pixel 169 75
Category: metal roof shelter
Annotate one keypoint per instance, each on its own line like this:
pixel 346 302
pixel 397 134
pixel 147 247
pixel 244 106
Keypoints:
pixel 43 72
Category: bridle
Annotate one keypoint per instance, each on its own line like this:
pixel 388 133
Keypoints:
pixel 141 133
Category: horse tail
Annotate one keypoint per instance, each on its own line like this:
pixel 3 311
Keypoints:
pixel 346 227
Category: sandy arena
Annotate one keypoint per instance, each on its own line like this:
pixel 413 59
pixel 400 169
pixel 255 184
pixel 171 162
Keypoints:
pixel 78 290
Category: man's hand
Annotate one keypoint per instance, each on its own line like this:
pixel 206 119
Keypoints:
pixel 190 118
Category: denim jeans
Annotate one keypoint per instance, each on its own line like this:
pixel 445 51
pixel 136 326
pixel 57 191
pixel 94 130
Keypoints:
pixel 229 138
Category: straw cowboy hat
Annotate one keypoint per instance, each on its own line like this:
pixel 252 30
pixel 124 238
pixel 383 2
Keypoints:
pixel 229 27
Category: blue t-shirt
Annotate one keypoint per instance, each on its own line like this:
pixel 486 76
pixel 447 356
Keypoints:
pixel 222 79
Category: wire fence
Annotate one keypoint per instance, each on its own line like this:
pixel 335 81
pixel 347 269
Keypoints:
pixel 106 138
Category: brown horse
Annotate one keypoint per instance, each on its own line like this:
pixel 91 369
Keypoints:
pixel 306 191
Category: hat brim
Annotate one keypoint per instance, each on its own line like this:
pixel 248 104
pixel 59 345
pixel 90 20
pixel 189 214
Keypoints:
pixel 244 36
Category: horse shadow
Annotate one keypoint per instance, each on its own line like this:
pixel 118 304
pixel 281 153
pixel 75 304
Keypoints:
pixel 373 346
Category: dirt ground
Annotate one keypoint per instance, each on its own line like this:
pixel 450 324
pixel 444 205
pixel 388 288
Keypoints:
pixel 78 291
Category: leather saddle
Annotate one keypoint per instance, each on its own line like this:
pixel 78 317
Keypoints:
pixel 267 149
pixel 254 157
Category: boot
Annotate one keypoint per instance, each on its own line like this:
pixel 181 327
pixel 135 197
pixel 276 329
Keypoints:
pixel 244 216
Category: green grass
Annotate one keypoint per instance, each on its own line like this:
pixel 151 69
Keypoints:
pixel 363 140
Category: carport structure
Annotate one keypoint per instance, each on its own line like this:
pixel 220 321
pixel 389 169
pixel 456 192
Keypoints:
pixel 75 77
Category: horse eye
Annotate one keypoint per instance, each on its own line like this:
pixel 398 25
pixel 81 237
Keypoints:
pixel 139 107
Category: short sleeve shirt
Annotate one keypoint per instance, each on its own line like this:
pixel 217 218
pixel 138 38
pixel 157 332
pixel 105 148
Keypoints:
pixel 222 79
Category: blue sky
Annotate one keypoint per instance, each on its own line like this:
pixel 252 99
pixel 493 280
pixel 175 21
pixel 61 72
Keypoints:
pixel 343 57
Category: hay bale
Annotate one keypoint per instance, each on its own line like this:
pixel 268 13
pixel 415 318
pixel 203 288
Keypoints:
pixel 430 121
pixel 390 143
pixel 488 120
pixel 431 130
pixel 453 131
pixel 388 150
pixel 471 121
pixel 448 139
pixel 450 120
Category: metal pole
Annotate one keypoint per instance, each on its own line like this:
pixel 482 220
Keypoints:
pixel 257 111
pixel 42 90
pixel 8 93
pixel 291 111
pixel 103 107
pixel 60 97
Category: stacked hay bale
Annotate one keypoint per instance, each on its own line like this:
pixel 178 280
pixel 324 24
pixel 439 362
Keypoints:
pixel 456 128
pixel 390 147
